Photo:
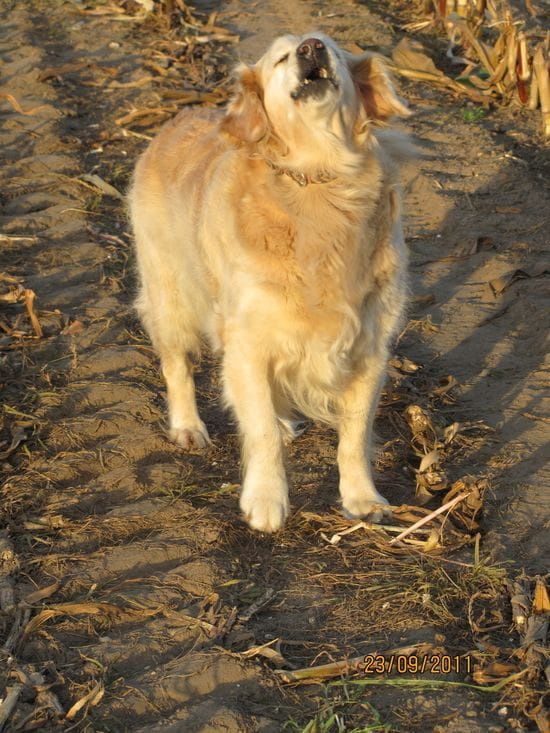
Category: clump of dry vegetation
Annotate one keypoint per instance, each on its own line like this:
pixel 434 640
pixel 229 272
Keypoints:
pixel 503 53
pixel 190 48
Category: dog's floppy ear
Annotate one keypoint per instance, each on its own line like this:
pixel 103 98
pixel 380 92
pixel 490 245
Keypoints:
pixel 246 118
pixel 375 87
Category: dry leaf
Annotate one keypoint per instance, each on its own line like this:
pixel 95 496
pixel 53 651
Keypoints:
pixel 409 54
pixel 75 609
pixel 52 521
pixel 17 107
pixel 91 698
pixel 404 364
pixel 450 432
pixel 147 5
pixel 418 420
pixel 18 435
pixel 13 295
pixel 541 715
pixel 541 601
pixel 421 493
pixel 141 82
pixel 447 385
pixel 74 327
pixel 466 513
pixel 436 480
pixel 494 672
pixel 146 112
pixel 519 599
pixel 432 542
pixel 507 210
pixel 18 293
pixel 411 62
pixel 401 512
pixel 536 630
pixel 499 284
pixel 267 651
pixel 30 296
pixel 430 477
pixel 72 67
pixel 41 593
pixel 429 460
pixel 540 68
pixel 476 245
pixel 98 182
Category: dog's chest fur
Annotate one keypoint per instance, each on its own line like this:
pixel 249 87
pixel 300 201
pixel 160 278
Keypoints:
pixel 318 258
pixel 297 254
pixel 316 246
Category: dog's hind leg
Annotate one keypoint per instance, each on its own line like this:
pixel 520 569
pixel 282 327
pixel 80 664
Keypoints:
pixel 186 427
pixel 356 417
pixel 170 326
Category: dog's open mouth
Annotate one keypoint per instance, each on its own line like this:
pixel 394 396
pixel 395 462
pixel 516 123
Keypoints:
pixel 315 83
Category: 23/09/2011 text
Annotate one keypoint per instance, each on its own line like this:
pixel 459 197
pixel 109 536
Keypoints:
pixel 414 664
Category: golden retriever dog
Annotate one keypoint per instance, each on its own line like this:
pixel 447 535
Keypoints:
pixel 272 229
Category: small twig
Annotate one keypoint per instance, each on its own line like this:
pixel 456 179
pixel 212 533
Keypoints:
pixel 179 616
pixel 91 698
pixel 17 107
pixel 8 565
pixel 48 699
pixel 520 602
pixel 7 597
pixel 30 295
pixel 7 238
pixel 429 517
pixel 225 626
pixel 21 620
pixel 263 600
pixel 337 536
pixel 8 704
pixel 133 133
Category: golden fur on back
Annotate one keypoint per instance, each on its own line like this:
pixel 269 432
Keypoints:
pixel 273 230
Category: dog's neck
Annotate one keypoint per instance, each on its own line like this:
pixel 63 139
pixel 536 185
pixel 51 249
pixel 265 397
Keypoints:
pixel 302 179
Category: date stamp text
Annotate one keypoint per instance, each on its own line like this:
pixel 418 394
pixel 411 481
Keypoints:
pixel 442 664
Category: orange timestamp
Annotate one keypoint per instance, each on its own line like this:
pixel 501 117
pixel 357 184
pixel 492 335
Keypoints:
pixel 416 664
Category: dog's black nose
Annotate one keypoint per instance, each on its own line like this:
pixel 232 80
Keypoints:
pixel 311 48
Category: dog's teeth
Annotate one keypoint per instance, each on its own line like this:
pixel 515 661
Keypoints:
pixel 323 73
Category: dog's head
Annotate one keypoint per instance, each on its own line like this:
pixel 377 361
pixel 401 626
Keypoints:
pixel 317 102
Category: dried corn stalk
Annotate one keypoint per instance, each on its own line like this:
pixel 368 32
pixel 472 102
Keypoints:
pixel 502 58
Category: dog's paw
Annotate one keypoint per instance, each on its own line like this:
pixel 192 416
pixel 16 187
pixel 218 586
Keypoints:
pixel 366 507
pixel 264 511
pixel 191 439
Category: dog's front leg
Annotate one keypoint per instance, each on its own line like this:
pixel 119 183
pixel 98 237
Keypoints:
pixel 356 417
pixel 264 498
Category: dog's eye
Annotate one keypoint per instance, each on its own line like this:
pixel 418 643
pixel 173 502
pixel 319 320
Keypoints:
pixel 282 59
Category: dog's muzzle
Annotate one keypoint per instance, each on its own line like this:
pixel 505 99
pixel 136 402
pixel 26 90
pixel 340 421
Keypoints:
pixel 314 70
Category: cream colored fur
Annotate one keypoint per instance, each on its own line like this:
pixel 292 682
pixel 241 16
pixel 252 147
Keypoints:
pixel 299 288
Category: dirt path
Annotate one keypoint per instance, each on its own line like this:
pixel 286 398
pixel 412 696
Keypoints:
pixel 107 514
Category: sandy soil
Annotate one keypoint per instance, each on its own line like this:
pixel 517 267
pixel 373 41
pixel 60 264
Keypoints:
pixel 103 510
